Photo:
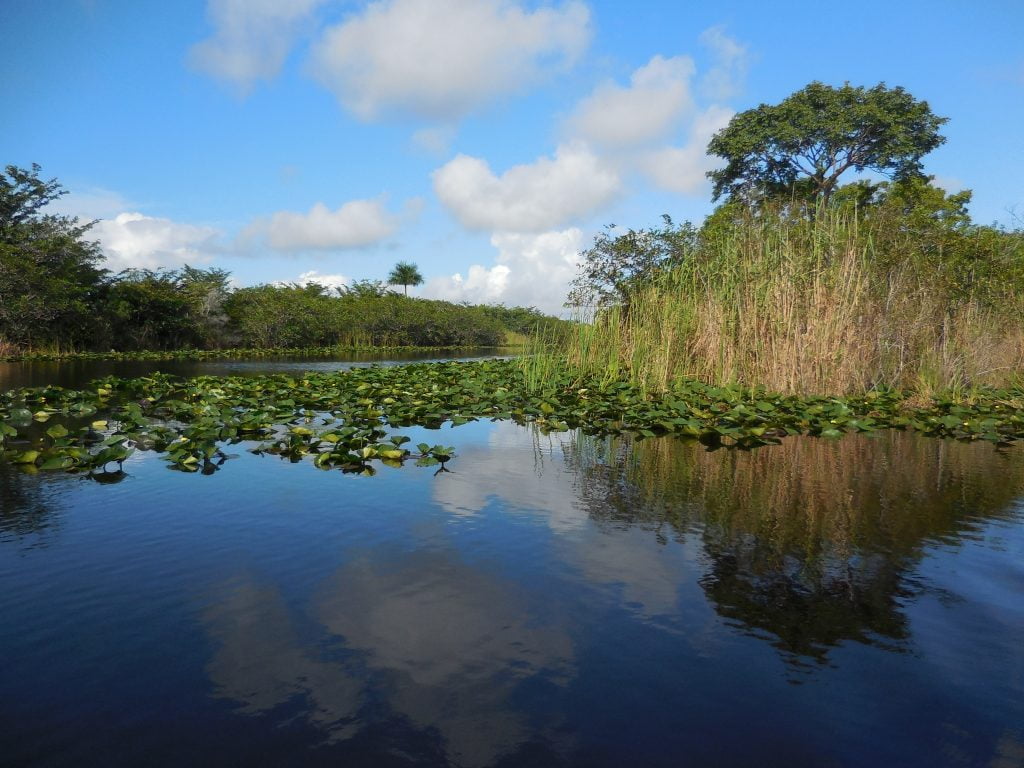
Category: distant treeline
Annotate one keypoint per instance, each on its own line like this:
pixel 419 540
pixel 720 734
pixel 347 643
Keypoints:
pixel 54 296
pixel 197 308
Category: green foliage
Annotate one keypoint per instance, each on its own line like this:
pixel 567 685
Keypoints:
pixel 53 297
pixel 525 321
pixel 365 289
pixel 48 271
pixel 405 273
pixel 920 225
pixel 341 419
pixel 144 309
pixel 289 316
pixel 800 147
pixel 616 265
pixel 286 316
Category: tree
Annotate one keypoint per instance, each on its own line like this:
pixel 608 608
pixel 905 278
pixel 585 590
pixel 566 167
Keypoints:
pixel 363 289
pixel 616 264
pixel 405 274
pixel 48 270
pixel 802 146
pixel 165 309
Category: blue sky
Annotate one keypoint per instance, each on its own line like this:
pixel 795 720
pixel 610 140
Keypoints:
pixel 485 140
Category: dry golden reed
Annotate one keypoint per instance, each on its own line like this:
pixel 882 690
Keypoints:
pixel 802 307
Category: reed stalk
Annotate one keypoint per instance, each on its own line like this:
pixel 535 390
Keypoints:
pixel 804 307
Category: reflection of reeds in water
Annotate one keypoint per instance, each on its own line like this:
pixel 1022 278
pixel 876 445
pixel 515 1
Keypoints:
pixel 887 491
pixel 809 540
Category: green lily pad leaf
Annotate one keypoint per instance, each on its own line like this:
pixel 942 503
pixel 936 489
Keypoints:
pixel 58 462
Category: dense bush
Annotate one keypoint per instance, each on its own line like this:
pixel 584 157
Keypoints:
pixel 286 316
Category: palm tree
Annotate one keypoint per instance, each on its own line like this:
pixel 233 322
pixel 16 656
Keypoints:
pixel 405 274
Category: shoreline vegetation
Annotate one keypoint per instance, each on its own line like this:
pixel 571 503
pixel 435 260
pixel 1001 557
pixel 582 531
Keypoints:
pixel 799 306
pixel 181 312
pixel 905 294
pixel 56 298
pixel 246 353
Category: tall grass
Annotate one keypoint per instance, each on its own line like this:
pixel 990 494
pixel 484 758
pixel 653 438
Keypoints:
pixel 807 307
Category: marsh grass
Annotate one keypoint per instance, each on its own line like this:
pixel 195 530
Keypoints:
pixel 804 307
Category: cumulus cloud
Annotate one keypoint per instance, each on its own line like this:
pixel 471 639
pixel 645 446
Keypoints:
pixel 723 80
pixel 657 97
pixel 683 169
pixel 134 240
pixel 251 39
pixel 440 59
pixel 529 270
pixel 331 282
pixel 631 126
pixel 542 195
pixel 355 224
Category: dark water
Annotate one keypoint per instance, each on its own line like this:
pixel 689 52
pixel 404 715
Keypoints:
pixel 75 373
pixel 552 601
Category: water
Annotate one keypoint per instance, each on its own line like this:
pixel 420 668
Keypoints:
pixel 562 601
pixel 75 373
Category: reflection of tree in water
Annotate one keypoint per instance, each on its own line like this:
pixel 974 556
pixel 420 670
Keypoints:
pixel 810 541
pixel 28 505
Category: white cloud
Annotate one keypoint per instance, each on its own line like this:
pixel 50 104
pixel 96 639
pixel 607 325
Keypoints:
pixel 657 97
pixel 355 224
pixel 440 59
pixel 331 282
pixel 723 80
pixel 682 169
pixel 529 270
pixel 134 240
pixel 539 196
pixel 251 39
pixel 630 125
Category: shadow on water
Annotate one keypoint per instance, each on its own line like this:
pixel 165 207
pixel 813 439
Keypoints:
pixel 810 542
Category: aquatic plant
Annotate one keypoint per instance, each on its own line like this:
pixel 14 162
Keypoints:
pixel 232 353
pixel 342 419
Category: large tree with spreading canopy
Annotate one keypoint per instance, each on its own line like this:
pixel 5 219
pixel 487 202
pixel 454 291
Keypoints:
pixel 801 146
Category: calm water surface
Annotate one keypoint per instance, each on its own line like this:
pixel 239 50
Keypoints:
pixel 551 601
pixel 75 373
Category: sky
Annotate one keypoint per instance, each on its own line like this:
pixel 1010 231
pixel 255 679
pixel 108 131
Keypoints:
pixel 486 141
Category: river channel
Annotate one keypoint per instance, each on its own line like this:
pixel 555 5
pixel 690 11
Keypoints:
pixel 552 600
